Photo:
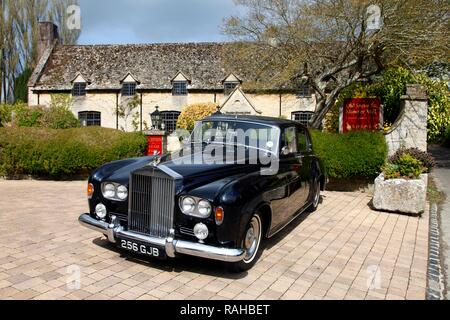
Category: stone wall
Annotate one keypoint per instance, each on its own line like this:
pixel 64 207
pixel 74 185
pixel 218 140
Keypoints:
pixel 410 130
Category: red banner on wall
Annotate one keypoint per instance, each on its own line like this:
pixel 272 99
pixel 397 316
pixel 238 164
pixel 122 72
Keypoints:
pixel 361 114
pixel 155 145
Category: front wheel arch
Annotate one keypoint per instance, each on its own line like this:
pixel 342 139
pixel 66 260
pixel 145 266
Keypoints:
pixel 258 244
pixel 266 215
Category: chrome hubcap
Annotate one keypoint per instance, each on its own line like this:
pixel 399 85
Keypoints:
pixel 252 239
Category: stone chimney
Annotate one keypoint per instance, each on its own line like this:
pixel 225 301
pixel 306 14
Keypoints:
pixel 48 33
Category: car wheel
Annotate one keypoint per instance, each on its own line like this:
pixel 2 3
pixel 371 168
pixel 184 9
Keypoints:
pixel 316 197
pixel 252 245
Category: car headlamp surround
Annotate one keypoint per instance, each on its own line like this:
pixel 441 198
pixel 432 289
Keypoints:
pixel 195 207
pixel 114 191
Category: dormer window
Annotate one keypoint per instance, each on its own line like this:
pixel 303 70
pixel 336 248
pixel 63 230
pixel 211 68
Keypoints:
pixel 179 88
pixel 129 84
pixel 228 87
pixel 79 89
pixel 304 90
pixel 179 84
pixel 230 83
pixel 79 86
pixel 129 89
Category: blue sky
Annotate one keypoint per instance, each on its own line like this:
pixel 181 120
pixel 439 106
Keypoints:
pixel 153 21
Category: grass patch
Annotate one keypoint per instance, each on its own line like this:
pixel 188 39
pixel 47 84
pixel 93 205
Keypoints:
pixel 434 195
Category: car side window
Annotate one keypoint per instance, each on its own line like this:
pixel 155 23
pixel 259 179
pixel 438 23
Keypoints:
pixel 302 141
pixel 290 139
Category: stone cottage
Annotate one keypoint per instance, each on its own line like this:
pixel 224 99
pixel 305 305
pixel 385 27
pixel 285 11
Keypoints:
pixel 102 78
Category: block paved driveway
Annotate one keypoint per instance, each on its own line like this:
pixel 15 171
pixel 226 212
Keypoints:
pixel 342 251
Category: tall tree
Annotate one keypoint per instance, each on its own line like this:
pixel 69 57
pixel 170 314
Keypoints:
pixel 331 44
pixel 19 34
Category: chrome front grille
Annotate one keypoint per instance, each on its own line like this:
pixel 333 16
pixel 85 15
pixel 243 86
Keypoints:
pixel 151 205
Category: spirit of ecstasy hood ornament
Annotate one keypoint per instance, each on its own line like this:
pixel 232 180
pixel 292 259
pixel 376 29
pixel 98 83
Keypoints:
pixel 156 159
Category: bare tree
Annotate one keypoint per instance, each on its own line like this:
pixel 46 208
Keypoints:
pixel 331 44
pixel 19 32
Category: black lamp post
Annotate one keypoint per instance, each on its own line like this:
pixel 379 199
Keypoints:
pixel 156 118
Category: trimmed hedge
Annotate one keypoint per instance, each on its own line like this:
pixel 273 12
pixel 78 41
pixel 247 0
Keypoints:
pixel 64 153
pixel 352 155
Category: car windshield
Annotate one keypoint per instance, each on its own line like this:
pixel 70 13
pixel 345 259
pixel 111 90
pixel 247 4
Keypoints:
pixel 237 133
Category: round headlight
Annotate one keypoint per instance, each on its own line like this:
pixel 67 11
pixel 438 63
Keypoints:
pixel 122 193
pixel 204 208
pixel 201 231
pixel 100 211
pixel 188 205
pixel 109 191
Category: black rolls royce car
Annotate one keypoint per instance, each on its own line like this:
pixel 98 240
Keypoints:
pixel 237 181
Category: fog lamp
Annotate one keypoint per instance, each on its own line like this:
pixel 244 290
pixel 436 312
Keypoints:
pixel 201 231
pixel 100 211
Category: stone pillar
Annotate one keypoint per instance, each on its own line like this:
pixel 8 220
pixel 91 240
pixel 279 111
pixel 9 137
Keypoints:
pixel 410 129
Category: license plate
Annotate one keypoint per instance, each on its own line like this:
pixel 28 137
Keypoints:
pixel 142 249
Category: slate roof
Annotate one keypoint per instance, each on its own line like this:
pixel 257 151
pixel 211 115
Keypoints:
pixel 153 66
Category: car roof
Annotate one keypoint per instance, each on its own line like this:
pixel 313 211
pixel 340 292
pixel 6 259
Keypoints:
pixel 258 119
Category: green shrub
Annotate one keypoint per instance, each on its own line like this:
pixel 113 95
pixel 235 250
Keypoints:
pixel 410 167
pixel 356 154
pixel 406 166
pixel 63 153
pixel 426 160
pixel 57 116
pixel 5 114
pixel 25 116
pixel 391 171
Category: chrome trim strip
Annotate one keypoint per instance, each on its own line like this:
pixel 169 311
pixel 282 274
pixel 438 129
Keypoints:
pixel 171 245
pixel 87 221
pixel 170 172
pixel 209 252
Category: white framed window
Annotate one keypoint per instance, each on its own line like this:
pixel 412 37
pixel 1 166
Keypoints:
pixel 169 120
pixel 179 88
pixel 304 90
pixel 79 89
pixel 128 89
pixel 302 117
pixel 228 87
pixel 90 118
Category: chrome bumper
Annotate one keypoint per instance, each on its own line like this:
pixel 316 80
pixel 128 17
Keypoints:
pixel 172 246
